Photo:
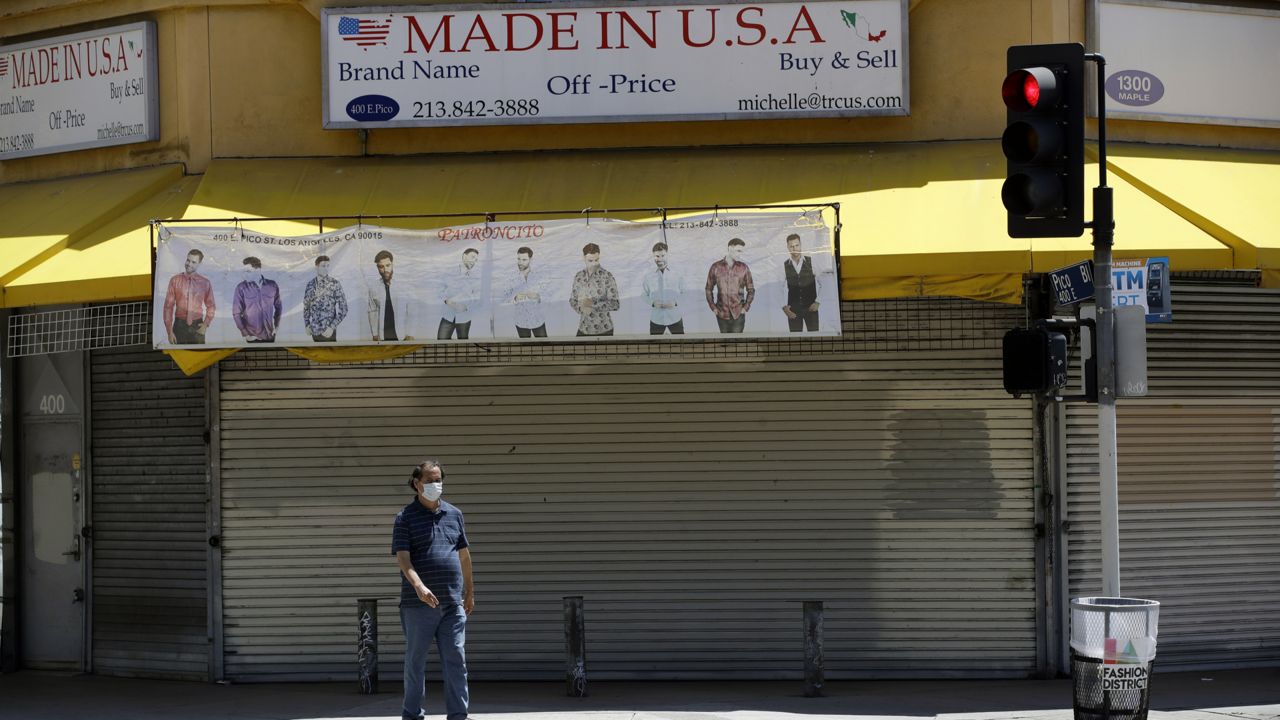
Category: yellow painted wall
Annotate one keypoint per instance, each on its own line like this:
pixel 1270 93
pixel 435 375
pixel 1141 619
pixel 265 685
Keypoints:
pixel 242 78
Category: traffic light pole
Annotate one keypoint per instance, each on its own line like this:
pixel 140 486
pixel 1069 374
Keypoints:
pixel 1103 226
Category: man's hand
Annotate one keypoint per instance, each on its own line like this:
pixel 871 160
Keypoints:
pixel 426 596
pixel 813 307
pixel 172 340
pixel 786 309
pixel 468 602
pixel 587 303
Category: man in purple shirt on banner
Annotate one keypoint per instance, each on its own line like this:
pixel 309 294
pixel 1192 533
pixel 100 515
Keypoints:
pixel 256 305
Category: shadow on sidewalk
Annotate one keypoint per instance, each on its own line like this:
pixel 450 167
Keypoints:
pixel 46 696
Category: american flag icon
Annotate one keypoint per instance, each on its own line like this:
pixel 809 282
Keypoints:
pixel 364 33
pixel 4 65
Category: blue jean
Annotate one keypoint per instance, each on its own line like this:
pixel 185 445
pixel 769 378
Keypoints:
pixel 447 624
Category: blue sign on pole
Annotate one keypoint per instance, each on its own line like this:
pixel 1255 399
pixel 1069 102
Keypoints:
pixel 1072 284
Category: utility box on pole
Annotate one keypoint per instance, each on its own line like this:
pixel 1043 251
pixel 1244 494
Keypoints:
pixel 1131 351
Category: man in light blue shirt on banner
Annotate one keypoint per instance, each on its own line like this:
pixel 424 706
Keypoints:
pixel 461 296
pixel 663 289
pixel 524 291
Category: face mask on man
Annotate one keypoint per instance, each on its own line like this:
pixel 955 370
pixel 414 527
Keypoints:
pixel 432 491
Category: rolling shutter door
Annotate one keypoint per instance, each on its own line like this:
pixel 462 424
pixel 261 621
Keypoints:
pixel 1199 501
pixel 149 478
pixel 694 494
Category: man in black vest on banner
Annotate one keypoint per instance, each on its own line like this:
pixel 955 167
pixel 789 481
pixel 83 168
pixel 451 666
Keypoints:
pixel 802 289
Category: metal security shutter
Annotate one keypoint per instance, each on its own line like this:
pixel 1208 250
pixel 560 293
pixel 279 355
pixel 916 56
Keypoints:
pixel 149 474
pixel 1199 503
pixel 692 493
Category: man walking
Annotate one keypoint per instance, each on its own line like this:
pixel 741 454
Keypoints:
pixel 429 541
pixel 730 289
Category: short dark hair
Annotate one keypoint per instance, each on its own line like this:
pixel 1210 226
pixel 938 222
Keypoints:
pixel 792 236
pixel 525 251
pixel 591 249
pixel 197 253
pixel 468 251
pixel 659 246
pixel 253 262
pixel 737 241
pixel 421 469
pixel 322 258
pixel 383 255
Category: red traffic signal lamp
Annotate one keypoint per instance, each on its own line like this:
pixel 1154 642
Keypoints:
pixel 1044 141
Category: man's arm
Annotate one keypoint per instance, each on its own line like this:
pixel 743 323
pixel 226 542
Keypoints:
pixel 340 304
pixel 279 307
pixel 237 310
pixel 468 588
pixel 170 302
pixel 751 290
pixel 611 299
pixel 577 287
pixel 711 288
pixel 208 305
pixel 415 582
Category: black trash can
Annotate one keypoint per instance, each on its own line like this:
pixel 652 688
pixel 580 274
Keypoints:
pixel 1113 644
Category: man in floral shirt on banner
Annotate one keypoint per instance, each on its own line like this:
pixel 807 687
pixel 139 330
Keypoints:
pixel 594 295
pixel 324 305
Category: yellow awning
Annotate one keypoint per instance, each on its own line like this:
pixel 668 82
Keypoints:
pixel 918 219
pixel 42 220
pixel 1229 194
pixel 110 263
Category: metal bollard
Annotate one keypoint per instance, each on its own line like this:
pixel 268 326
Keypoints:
pixel 813 648
pixel 367 645
pixel 575 647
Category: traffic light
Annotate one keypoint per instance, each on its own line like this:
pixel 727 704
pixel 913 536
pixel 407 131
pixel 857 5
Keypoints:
pixel 1035 360
pixel 1044 140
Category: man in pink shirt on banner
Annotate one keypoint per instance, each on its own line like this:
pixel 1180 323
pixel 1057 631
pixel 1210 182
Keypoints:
pixel 188 304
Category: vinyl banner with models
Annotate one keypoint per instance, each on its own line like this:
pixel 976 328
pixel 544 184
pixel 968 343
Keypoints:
pixel 749 275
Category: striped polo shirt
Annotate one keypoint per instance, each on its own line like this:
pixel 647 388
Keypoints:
pixel 433 540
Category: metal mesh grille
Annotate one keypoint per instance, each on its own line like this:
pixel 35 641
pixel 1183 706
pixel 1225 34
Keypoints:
pixel 1093 699
pixel 870 326
pixel 87 328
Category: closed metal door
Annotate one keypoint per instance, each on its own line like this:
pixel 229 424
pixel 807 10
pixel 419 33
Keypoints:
pixel 51 607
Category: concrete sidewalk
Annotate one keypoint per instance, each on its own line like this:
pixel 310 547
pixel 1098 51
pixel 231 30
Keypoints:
pixel 1242 694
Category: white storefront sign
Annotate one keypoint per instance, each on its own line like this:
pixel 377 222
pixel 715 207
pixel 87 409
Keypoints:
pixel 514 64
pixel 91 89
pixel 1183 62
